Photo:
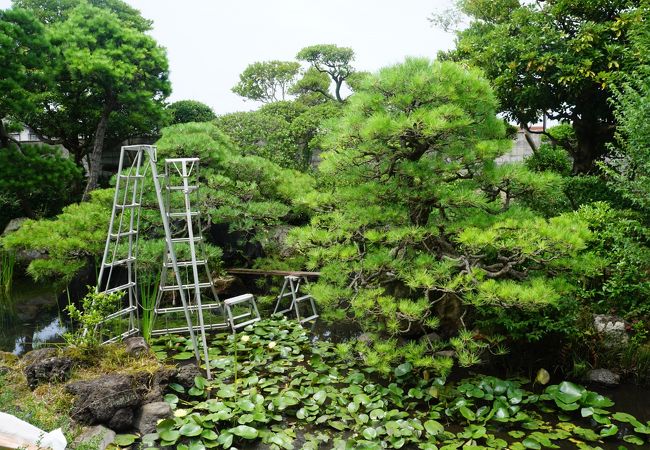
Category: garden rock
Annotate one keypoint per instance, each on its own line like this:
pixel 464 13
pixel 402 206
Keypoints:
pixel 39 354
pixel 150 414
pixel 161 379
pixel 430 338
pixel 122 420
pixel 14 225
pixel 612 329
pixel 98 437
pixel 186 374
pixel 48 370
pixel 136 346
pixel 98 401
pixel 603 377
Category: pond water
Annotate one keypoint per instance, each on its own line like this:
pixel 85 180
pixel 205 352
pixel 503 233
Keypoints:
pixel 32 317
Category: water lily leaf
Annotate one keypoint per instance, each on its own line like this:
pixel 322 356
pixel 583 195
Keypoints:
pixel 200 382
pixel 609 431
pixel 320 397
pixel 244 431
pixel 246 405
pixel 196 445
pixel 625 417
pixel 124 440
pixel 569 392
pixel 403 369
pixel 183 355
pixel 632 439
pixel 517 434
pixel 177 387
pixel 377 414
pixel 586 412
pixel 190 429
pixel 369 433
pixel 531 443
pixel 353 407
pixel 338 425
pixel 172 399
pixel 170 435
pixel 433 428
pixel 209 434
pixel 225 439
pixel 467 413
pixel 195 391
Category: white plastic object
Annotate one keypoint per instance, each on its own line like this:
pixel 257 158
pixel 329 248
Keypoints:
pixel 16 433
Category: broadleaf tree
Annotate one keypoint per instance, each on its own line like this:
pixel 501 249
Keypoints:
pixel 267 81
pixel 556 58
pixel 328 59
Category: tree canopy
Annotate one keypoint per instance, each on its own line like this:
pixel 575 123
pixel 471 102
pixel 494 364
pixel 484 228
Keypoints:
pixel 555 58
pixel 184 111
pixel 267 81
pixel 328 59
pixel 413 213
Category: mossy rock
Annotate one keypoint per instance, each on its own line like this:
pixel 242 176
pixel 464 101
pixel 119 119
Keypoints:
pixel 8 359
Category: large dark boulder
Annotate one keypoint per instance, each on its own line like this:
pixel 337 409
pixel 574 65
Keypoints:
pixel 136 346
pixel 99 400
pixel 48 370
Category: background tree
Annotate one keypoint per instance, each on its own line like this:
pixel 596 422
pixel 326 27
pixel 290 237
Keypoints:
pixel 329 59
pixel 184 111
pixel 554 57
pixel 25 53
pixel 107 81
pixel 267 81
pixel 414 216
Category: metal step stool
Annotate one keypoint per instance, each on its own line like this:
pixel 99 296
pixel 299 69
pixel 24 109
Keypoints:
pixel 243 300
pixel 290 289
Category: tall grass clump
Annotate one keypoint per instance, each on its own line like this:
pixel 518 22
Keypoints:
pixel 7 264
pixel 148 284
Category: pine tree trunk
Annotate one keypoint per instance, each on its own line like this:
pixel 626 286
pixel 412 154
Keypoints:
pixel 94 165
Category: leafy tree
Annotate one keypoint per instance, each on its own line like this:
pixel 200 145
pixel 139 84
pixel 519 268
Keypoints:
pixel 184 111
pixel 39 178
pixel 108 79
pixel 414 216
pixel 24 51
pixel 629 166
pixel 267 81
pixel 328 59
pixel 313 87
pixel 554 57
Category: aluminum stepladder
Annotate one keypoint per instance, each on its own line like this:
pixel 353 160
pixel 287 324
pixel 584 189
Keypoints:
pixel 133 157
pixel 290 289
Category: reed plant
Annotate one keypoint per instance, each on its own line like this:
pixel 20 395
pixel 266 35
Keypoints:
pixel 7 264
pixel 148 284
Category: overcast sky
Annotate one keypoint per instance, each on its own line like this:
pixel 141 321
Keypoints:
pixel 210 42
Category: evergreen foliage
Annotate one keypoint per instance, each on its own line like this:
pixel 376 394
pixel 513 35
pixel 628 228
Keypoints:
pixel 184 111
pixel 414 216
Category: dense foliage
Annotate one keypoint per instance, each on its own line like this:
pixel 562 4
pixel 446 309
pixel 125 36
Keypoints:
pixel 267 81
pixel 38 179
pixel 184 111
pixel 415 219
pixel 106 79
pixel 556 58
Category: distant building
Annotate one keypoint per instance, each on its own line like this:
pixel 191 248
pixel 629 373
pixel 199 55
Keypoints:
pixel 520 147
pixel 26 136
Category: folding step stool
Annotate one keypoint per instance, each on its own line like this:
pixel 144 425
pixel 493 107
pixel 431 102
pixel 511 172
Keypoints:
pixel 290 289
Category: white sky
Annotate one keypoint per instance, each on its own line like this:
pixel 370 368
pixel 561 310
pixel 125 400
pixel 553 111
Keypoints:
pixel 210 42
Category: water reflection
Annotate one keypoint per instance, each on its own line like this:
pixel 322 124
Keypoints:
pixel 29 317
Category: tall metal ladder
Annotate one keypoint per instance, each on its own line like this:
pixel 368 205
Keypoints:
pixel 131 201
pixel 181 183
pixel 123 225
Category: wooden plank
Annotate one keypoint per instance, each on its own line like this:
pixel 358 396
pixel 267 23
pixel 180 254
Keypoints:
pixel 283 273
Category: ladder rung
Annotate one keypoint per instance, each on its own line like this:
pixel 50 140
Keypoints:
pixel 118 262
pixel 119 313
pixel 173 160
pixel 186 239
pixel 239 299
pixel 176 309
pixel 288 294
pixel 184 286
pixel 124 234
pixel 120 288
pixel 307 319
pixel 200 262
pixel 248 322
pixel 182 188
pixel 182 214
pixel 304 297
pixel 128 205
pixel 130 177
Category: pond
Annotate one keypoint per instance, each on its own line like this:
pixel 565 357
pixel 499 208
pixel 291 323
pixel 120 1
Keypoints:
pixel 31 316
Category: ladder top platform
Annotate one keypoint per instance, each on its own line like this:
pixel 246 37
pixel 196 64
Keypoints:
pixel 174 160
pixel 282 273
